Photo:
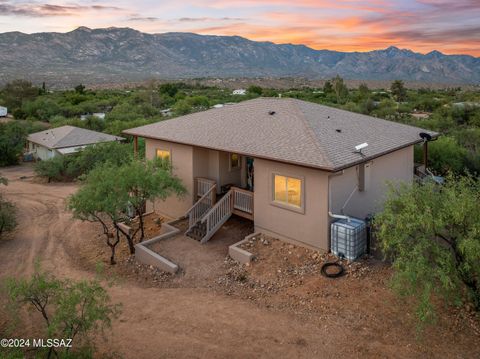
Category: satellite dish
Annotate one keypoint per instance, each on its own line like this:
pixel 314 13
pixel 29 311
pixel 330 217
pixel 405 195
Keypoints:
pixel 425 136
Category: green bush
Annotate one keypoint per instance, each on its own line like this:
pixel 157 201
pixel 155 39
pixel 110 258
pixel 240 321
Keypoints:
pixel 67 168
pixel 7 216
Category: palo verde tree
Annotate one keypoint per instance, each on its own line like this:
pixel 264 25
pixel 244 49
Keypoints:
pixel 77 310
pixel 146 182
pixel 432 235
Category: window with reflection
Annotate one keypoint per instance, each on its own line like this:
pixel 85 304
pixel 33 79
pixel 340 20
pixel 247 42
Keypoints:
pixel 288 190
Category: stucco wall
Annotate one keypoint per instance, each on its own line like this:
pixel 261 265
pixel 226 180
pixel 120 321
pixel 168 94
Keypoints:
pixel 396 166
pixel 311 227
pixel 182 161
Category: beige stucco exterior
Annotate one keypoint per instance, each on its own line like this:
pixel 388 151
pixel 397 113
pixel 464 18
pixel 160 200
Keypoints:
pixel 393 167
pixel 182 162
pixel 308 225
pixel 188 163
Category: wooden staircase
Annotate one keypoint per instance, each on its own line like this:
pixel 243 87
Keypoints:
pixel 204 223
pixel 198 231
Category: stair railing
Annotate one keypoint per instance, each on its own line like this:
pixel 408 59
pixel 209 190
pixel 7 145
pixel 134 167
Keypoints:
pixel 202 206
pixel 218 215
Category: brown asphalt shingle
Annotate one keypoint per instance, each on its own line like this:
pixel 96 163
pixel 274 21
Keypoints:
pixel 299 132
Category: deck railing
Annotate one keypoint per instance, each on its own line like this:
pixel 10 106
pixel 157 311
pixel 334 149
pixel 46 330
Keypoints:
pixel 243 200
pixel 204 185
pixel 202 206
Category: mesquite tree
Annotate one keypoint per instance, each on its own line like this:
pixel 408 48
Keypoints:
pixel 432 234
pixel 101 200
pixel 147 182
pixel 78 310
pixel 108 190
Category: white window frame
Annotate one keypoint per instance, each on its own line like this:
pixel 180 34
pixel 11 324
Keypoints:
pixel 286 205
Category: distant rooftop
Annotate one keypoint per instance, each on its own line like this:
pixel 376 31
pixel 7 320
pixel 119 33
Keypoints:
pixel 287 130
pixel 70 136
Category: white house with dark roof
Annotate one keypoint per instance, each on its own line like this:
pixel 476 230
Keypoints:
pixel 286 164
pixel 64 140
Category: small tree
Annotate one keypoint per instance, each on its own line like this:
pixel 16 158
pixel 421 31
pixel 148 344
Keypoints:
pixel 69 309
pixel 100 200
pixel 148 181
pixel 340 89
pixel 398 90
pixel 432 235
pixel 255 90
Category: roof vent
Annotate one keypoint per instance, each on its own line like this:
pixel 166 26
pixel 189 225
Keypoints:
pixel 271 113
pixel 338 130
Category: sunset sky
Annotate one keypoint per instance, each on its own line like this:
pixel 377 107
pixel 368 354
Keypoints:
pixel 450 26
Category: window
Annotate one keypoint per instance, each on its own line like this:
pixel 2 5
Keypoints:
pixel 163 154
pixel 234 161
pixel 288 191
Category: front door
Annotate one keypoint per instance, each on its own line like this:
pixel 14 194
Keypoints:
pixel 250 176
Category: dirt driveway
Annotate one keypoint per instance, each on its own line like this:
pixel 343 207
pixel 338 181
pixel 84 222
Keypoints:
pixel 186 322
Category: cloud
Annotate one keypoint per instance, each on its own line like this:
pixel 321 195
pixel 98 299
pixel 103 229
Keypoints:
pixel 44 10
pixel 205 19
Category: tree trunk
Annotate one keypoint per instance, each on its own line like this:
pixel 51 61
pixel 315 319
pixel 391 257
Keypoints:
pixel 131 246
pixel 112 246
pixel 142 224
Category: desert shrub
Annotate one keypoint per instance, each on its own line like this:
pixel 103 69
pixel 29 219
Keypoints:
pixel 7 216
pixel 67 168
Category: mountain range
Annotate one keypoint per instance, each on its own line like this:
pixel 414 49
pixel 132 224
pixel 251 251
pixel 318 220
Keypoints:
pixel 93 56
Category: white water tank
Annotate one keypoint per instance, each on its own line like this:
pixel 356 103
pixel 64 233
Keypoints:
pixel 348 238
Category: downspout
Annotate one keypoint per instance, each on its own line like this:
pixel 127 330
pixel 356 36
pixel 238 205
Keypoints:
pixel 332 215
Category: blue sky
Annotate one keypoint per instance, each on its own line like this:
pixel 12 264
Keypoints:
pixel 346 25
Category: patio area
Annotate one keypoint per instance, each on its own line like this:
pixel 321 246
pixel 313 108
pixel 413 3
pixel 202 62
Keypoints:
pixel 200 263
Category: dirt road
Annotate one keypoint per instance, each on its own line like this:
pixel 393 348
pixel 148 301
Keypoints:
pixel 175 322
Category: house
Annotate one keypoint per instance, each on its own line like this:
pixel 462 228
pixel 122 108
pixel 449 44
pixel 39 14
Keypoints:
pixel 286 164
pixel 64 140
pixel 239 92
pixel 3 111
pixel 167 112
pixel 99 115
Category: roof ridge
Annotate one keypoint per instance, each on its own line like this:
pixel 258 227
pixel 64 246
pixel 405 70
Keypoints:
pixel 310 131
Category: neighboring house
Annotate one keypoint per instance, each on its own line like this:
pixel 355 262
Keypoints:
pixel 239 92
pixel 284 163
pixel 3 111
pixel 167 112
pixel 64 141
pixel 419 115
pixel 99 115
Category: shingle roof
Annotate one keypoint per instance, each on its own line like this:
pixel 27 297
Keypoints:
pixel 297 132
pixel 70 136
